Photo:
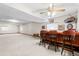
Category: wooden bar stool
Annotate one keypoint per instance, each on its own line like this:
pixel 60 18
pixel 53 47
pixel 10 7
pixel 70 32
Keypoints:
pixel 43 37
pixel 52 35
pixel 68 39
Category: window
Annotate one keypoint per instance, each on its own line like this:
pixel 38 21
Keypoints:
pixel 4 28
pixel 52 26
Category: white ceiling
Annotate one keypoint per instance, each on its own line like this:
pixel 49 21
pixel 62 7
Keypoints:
pixel 7 12
pixel 30 12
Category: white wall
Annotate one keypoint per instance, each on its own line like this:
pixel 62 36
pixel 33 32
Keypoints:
pixel 25 28
pixel 30 28
pixel 8 28
pixel 78 21
pixel 36 27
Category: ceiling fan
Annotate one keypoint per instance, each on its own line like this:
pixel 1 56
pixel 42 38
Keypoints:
pixel 52 9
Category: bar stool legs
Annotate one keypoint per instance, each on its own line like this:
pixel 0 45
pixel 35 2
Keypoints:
pixel 71 50
pixel 55 47
pixel 62 49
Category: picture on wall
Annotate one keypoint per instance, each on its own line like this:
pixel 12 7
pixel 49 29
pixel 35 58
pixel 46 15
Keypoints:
pixel 71 19
pixel 61 27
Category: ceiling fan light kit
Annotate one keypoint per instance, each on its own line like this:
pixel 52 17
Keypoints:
pixel 51 20
pixel 52 11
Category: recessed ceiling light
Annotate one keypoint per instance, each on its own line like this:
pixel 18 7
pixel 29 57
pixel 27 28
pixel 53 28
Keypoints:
pixel 13 20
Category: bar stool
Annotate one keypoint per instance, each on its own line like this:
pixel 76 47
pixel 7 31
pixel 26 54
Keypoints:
pixel 52 35
pixel 43 38
pixel 68 39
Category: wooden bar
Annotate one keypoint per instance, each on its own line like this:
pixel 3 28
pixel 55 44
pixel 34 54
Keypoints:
pixel 59 40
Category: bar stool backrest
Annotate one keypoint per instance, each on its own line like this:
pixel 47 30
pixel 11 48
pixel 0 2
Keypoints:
pixel 43 34
pixel 68 36
pixel 52 34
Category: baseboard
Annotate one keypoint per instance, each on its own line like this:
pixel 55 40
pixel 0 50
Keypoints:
pixel 16 33
pixel 8 33
pixel 26 34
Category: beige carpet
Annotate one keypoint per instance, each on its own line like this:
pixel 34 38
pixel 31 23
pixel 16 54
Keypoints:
pixel 23 45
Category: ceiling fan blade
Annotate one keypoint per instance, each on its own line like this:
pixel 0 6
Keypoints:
pixel 43 12
pixel 56 9
pixel 60 10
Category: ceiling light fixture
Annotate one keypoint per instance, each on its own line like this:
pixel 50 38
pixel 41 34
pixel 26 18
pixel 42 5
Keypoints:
pixel 51 13
pixel 14 21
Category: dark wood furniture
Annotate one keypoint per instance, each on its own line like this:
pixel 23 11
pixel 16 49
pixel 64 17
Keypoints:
pixel 76 40
pixel 52 36
pixel 68 40
pixel 43 37
pixel 60 39
pixel 36 35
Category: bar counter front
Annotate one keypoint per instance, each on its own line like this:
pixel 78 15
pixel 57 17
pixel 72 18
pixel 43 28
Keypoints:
pixel 76 40
pixel 60 39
